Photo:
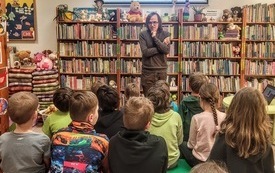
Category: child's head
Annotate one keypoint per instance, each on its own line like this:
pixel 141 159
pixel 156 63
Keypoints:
pixel 246 125
pixel 138 113
pixel 61 98
pixel 96 85
pixel 196 80
pixel 209 167
pixel 160 98
pixel 108 98
pixel 209 96
pixel 83 105
pixel 22 106
pixel 162 83
pixel 132 90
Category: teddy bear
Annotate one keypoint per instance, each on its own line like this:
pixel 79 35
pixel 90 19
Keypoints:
pixel 226 14
pixel 24 57
pixel 134 15
pixel 237 14
pixel 53 58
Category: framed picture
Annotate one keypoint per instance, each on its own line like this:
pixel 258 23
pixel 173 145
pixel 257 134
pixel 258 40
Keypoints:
pixel 159 2
pixel 21 23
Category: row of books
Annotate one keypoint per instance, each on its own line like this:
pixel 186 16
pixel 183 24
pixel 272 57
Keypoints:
pixel 130 66
pixel 259 67
pixel 99 65
pixel 260 84
pixel 207 49
pixel 196 32
pixel 260 32
pixel 85 31
pixel 88 66
pixel 130 49
pixel 130 31
pixel 225 84
pixel 80 82
pixel 211 67
pixel 260 50
pixel 260 12
pixel 85 48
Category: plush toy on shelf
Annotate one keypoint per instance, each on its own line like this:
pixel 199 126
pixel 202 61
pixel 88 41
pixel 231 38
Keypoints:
pixel 236 51
pixel 25 60
pixel 135 14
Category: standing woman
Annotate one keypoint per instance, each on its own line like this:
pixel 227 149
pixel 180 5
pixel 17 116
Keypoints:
pixel 155 45
pixel 244 141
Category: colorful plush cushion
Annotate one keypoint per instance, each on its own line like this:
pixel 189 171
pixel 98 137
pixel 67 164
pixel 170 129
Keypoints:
pixel 44 81
pixel 20 75
pixel 41 73
pixel 53 76
pixel 14 70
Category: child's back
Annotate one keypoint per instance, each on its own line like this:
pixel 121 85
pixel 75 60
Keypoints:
pixel 110 118
pixel 134 149
pixel 78 148
pixel 190 105
pixel 166 123
pixel 61 118
pixel 24 151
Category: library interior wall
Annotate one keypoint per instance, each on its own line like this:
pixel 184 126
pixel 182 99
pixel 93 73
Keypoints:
pixel 45 13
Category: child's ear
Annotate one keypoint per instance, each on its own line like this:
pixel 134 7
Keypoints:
pixel 148 125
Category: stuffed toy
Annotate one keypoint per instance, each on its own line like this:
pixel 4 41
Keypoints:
pixel 134 15
pixel 226 14
pixel 53 58
pixel 237 14
pixel 236 51
pixel 24 57
pixel 45 64
pixel 112 84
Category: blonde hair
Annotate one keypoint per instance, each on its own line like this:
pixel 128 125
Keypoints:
pixel 247 126
pixel 162 83
pixel 196 80
pixel 22 106
pixel 138 112
pixel 132 90
pixel 82 104
pixel 209 167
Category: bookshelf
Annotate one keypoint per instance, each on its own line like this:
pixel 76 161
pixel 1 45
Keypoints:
pixel 259 45
pixel 90 51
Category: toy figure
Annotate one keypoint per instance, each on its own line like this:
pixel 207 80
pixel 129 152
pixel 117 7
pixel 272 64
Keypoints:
pixel 186 11
pixel 99 6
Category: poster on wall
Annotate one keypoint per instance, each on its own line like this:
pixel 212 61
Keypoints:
pixel 21 24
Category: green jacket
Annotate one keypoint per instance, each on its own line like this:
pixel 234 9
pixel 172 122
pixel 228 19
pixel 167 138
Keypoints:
pixel 189 106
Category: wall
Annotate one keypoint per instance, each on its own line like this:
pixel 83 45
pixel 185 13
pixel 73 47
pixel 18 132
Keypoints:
pixel 45 12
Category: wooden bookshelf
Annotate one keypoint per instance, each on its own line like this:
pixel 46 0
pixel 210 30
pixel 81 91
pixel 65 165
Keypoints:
pixel 90 51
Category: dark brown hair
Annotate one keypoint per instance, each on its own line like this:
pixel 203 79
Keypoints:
pixel 159 21
pixel 159 96
pixel 132 90
pixel 61 98
pixel 196 80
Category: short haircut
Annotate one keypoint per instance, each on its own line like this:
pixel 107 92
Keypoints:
pixel 108 98
pixel 82 104
pixel 160 98
pixel 138 112
pixel 210 167
pixel 22 106
pixel 61 98
pixel 132 90
pixel 196 80
pixel 162 83
pixel 96 85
